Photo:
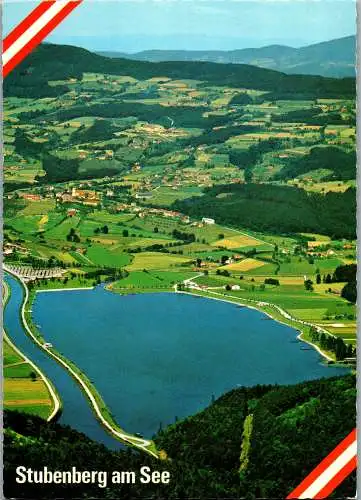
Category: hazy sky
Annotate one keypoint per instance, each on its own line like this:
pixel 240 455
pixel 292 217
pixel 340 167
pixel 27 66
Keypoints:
pixel 132 25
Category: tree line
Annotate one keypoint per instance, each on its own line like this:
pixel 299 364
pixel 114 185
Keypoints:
pixel 203 450
pixel 276 209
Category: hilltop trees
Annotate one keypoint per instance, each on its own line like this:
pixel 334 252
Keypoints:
pixel 278 209
pixel 277 459
pixel 25 146
pixel 58 169
pixel 341 163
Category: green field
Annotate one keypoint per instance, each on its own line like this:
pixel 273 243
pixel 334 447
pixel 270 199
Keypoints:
pixel 198 152
pixel 102 256
pixel 60 231
pixel 157 260
pixel 23 390
pixel 318 307
pixel 151 279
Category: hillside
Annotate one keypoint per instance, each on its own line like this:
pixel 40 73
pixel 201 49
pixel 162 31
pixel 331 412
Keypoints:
pixel 277 209
pixel 60 62
pixel 205 449
pixel 334 58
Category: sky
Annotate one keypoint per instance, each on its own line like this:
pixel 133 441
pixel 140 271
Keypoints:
pixel 134 25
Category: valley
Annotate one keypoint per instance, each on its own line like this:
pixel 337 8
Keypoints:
pixel 149 181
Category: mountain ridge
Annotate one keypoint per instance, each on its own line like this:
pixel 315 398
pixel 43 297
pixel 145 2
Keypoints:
pixel 60 62
pixel 332 58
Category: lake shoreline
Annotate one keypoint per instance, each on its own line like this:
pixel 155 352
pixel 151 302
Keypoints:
pixel 82 378
pixel 154 346
pixel 125 291
pixel 86 387
pixel 57 403
pixel 270 315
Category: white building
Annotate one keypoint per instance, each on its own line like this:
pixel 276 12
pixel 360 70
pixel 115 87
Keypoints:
pixel 206 220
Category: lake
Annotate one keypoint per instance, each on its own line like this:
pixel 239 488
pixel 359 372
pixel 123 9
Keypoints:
pixel 158 357
pixel 76 410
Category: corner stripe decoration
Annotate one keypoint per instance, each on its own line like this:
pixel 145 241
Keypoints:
pixel 330 473
pixel 33 29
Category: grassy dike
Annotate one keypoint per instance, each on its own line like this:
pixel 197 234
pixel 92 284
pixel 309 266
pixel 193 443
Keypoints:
pixel 274 312
pixel 98 406
pixel 54 396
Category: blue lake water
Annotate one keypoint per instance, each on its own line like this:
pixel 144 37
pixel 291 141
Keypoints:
pixel 155 357
pixel 76 410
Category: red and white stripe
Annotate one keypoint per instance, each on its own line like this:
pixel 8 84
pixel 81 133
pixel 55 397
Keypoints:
pixel 33 29
pixel 325 478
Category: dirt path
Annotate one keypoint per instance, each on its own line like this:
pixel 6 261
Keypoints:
pixel 15 364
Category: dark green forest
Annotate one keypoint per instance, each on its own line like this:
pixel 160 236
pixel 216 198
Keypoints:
pixel 59 62
pixel 277 209
pixel 186 116
pixel 312 116
pixel 347 273
pixel 342 164
pixel 293 428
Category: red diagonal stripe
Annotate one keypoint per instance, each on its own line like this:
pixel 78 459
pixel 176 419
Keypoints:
pixel 26 23
pixel 337 480
pixel 326 462
pixel 14 61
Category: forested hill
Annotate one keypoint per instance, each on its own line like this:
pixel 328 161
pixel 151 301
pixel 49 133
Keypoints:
pixel 278 209
pixel 251 443
pixel 60 62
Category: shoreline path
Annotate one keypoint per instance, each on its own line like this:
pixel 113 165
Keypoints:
pixel 194 286
pixel 137 442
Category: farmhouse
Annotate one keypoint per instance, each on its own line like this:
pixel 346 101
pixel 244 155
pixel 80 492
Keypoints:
pixel 82 154
pixel 87 197
pixel 8 250
pixel 66 197
pixel 207 220
pixel 30 196
pixel 84 194
pixel 71 212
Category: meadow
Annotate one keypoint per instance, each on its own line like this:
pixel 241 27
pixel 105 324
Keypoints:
pixel 23 389
pixel 161 154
